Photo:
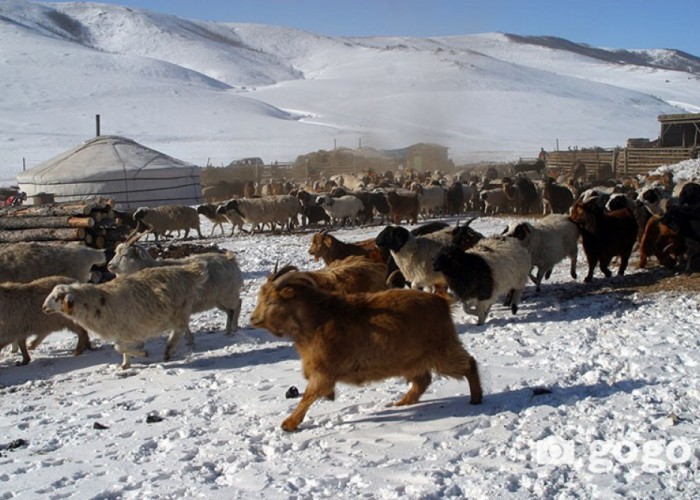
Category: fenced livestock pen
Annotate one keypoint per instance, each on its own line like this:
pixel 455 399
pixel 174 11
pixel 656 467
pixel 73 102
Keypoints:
pixel 623 161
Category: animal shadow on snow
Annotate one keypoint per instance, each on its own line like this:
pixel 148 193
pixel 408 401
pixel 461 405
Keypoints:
pixel 513 401
pixel 210 351
pixel 570 302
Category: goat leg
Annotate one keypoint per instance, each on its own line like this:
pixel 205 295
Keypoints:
pixel 318 387
pixel 419 384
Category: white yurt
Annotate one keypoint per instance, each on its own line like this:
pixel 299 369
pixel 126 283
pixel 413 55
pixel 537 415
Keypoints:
pixel 116 168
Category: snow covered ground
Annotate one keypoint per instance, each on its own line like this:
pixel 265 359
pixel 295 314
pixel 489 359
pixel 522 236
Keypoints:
pixel 607 372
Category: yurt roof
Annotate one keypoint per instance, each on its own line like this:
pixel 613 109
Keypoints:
pixel 118 168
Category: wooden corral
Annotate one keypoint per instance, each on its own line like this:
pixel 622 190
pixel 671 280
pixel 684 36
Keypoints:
pixel 624 161
pixel 679 139
pixel 680 130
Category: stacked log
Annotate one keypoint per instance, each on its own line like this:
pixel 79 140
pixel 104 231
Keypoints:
pixel 92 222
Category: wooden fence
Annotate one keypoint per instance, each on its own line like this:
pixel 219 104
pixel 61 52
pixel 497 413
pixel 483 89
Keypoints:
pixel 624 161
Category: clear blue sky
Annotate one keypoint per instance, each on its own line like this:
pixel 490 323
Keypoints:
pixel 627 24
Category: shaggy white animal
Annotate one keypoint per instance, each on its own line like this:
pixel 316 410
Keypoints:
pixel 132 309
pixel 495 267
pixel 549 241
pixel 21 315
pixel 25 262
pixel 222 288
pixel 167 218
pixel 413 256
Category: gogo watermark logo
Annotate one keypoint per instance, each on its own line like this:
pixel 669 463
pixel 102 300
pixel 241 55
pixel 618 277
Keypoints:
pixel 653 456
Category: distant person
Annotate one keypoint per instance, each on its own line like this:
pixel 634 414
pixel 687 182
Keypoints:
pixel 543 155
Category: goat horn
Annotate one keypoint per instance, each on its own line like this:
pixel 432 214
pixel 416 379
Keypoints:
pixel 282 271
pixel 471 220
pixel 277 263
pixel 295 277
pixel 135 236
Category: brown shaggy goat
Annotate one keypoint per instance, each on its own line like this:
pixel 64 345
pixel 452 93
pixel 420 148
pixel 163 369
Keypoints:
pixel 353 274
pixel 403 206
pixel 363 338
pixel 605 235
pixel 662 242
pixel 329 248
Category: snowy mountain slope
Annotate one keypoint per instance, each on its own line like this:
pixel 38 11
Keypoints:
pixel 214 92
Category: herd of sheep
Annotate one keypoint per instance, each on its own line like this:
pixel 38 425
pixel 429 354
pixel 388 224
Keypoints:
pixel 379 308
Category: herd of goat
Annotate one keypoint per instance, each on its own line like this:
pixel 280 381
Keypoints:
pixel 379 308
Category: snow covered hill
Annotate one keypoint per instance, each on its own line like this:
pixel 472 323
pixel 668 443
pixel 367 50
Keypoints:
pixel 213 92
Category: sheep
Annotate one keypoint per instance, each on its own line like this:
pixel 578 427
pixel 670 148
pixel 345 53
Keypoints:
pixel 21 315
pixel 661 241
pixel 432 199
pixel 685 220
pixel 556 198
pixel 495 266
pixel 166 218
pixel 353 274
pixel 463 236
pixel 403 205
pixel 329 248
pixel 25 262
pixel 208 210
pixel 455 198
pixel 310 212
pixel 413 256
pixel 344 208
pixel 378 199
pixel 605 235
pixel 495 201
pixel 222 288
pixel 522 193
pixel 548 241
pixel 133 308
pixel 362 338
pixel 278 209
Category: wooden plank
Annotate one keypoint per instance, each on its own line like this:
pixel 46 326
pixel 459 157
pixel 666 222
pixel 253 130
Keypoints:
pixel 16 222
pixel 43 234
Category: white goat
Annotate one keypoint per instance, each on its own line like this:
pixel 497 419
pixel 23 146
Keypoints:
pixel 208 210
pixel 166 218
pixel 222 288
pixel 496 266
pixel 21 315
pixel 342 208
pixel 495 201
pixel 431 199
pixel 131 309
pixel 413 256
pixel 548 241
pixel 271 210
pixel 25 262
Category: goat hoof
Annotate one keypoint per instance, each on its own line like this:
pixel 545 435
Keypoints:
pixel 289 426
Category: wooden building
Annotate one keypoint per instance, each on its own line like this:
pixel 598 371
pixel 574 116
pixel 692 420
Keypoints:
pixel 423 156
pixel 679 131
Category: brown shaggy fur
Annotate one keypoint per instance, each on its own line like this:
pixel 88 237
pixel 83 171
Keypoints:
pixel 351 275
pixel 662 242
pixel 330 249
pixel 605 235
pixel 366 337
pixel 403 206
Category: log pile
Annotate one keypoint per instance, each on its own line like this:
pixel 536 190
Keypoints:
pixel 93 222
